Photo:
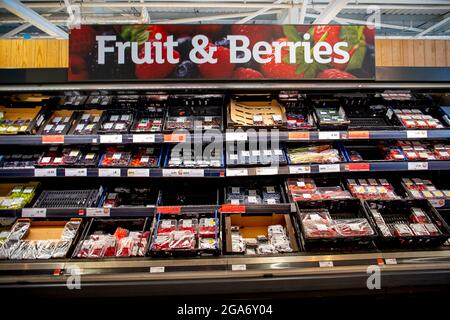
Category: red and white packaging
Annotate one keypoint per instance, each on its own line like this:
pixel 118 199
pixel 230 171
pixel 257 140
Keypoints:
pixel 125 247
pixel 166 226
pixel 402 230
pixel 432 229
pixel 419 216
pixel 419 229
pixel 182 240
pixel 208 227
pixel 353 227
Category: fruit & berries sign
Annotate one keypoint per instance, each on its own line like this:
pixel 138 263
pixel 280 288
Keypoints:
pixel 221 52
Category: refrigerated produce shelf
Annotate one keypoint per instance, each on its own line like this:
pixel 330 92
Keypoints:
pixel 227 275
pixel 380 166
pixel 326 272
pixel 282 136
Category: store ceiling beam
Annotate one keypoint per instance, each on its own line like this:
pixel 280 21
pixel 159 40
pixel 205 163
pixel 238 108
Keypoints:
pixel 301 20
pixel 25 26
pixel 410 5
pixel 169 4
pixel 435 26
pixel 331 11
pixel 257 13
pixel 15 31
pixel 215 17
pixel 363 22
pixel 35 19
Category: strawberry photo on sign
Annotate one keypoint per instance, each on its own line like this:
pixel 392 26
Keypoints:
pixel 221 52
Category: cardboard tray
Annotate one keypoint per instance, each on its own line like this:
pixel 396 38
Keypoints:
pixel 241 114
pixel 50 230
pixel 252 225
pixel 35 114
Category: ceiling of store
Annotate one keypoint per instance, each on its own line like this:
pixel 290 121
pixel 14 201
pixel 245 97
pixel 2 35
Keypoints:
pixel 397 18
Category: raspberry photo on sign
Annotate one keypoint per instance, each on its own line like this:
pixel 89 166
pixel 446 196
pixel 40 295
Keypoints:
pixel 221 52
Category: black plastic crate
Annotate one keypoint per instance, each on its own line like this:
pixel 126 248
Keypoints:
pixel 182 193
pixel 399 212
pixel 97 227
pixel 371 117
pixel 319 188
pixel 255 193
pixel 68 199
pixel 338 210
pixel 369 151
pixel 173 247
pixel 255 155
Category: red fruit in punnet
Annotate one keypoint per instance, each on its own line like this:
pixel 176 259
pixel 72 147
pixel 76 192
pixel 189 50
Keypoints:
pixel 82 40
pixel 210 30
pixel 332 34
pixel 155 70
pixel 282 70
pixel 153 30
pixel 222 68
pixel 254 33
pixel 335 74
pixel 247 73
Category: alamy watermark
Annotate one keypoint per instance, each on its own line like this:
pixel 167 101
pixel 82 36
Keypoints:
pixel 74 280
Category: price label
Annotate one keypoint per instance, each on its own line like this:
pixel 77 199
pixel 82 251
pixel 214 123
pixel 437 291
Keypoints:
pixel 169 210
pixel 98 212
pixel 329 168
pixel 358 134
pixel 157 269
pixel 75 172
pixel 266 171
pixel 109 172
pixel 329 135
pixel 232 208
pixel 299 169
pixel 111 138
pixel 236 136
pixel 298 135
pixel 358 167
pixel 326 264
pixel 50 172
pixel 52 139
pixel 238 267
pixel 144 138
pixel 390 261
pixel 138 173
pixel 236 172
pixel 175 137
pixel 417 165
pixel 416 134
pixel 34 212
pixel 183 173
